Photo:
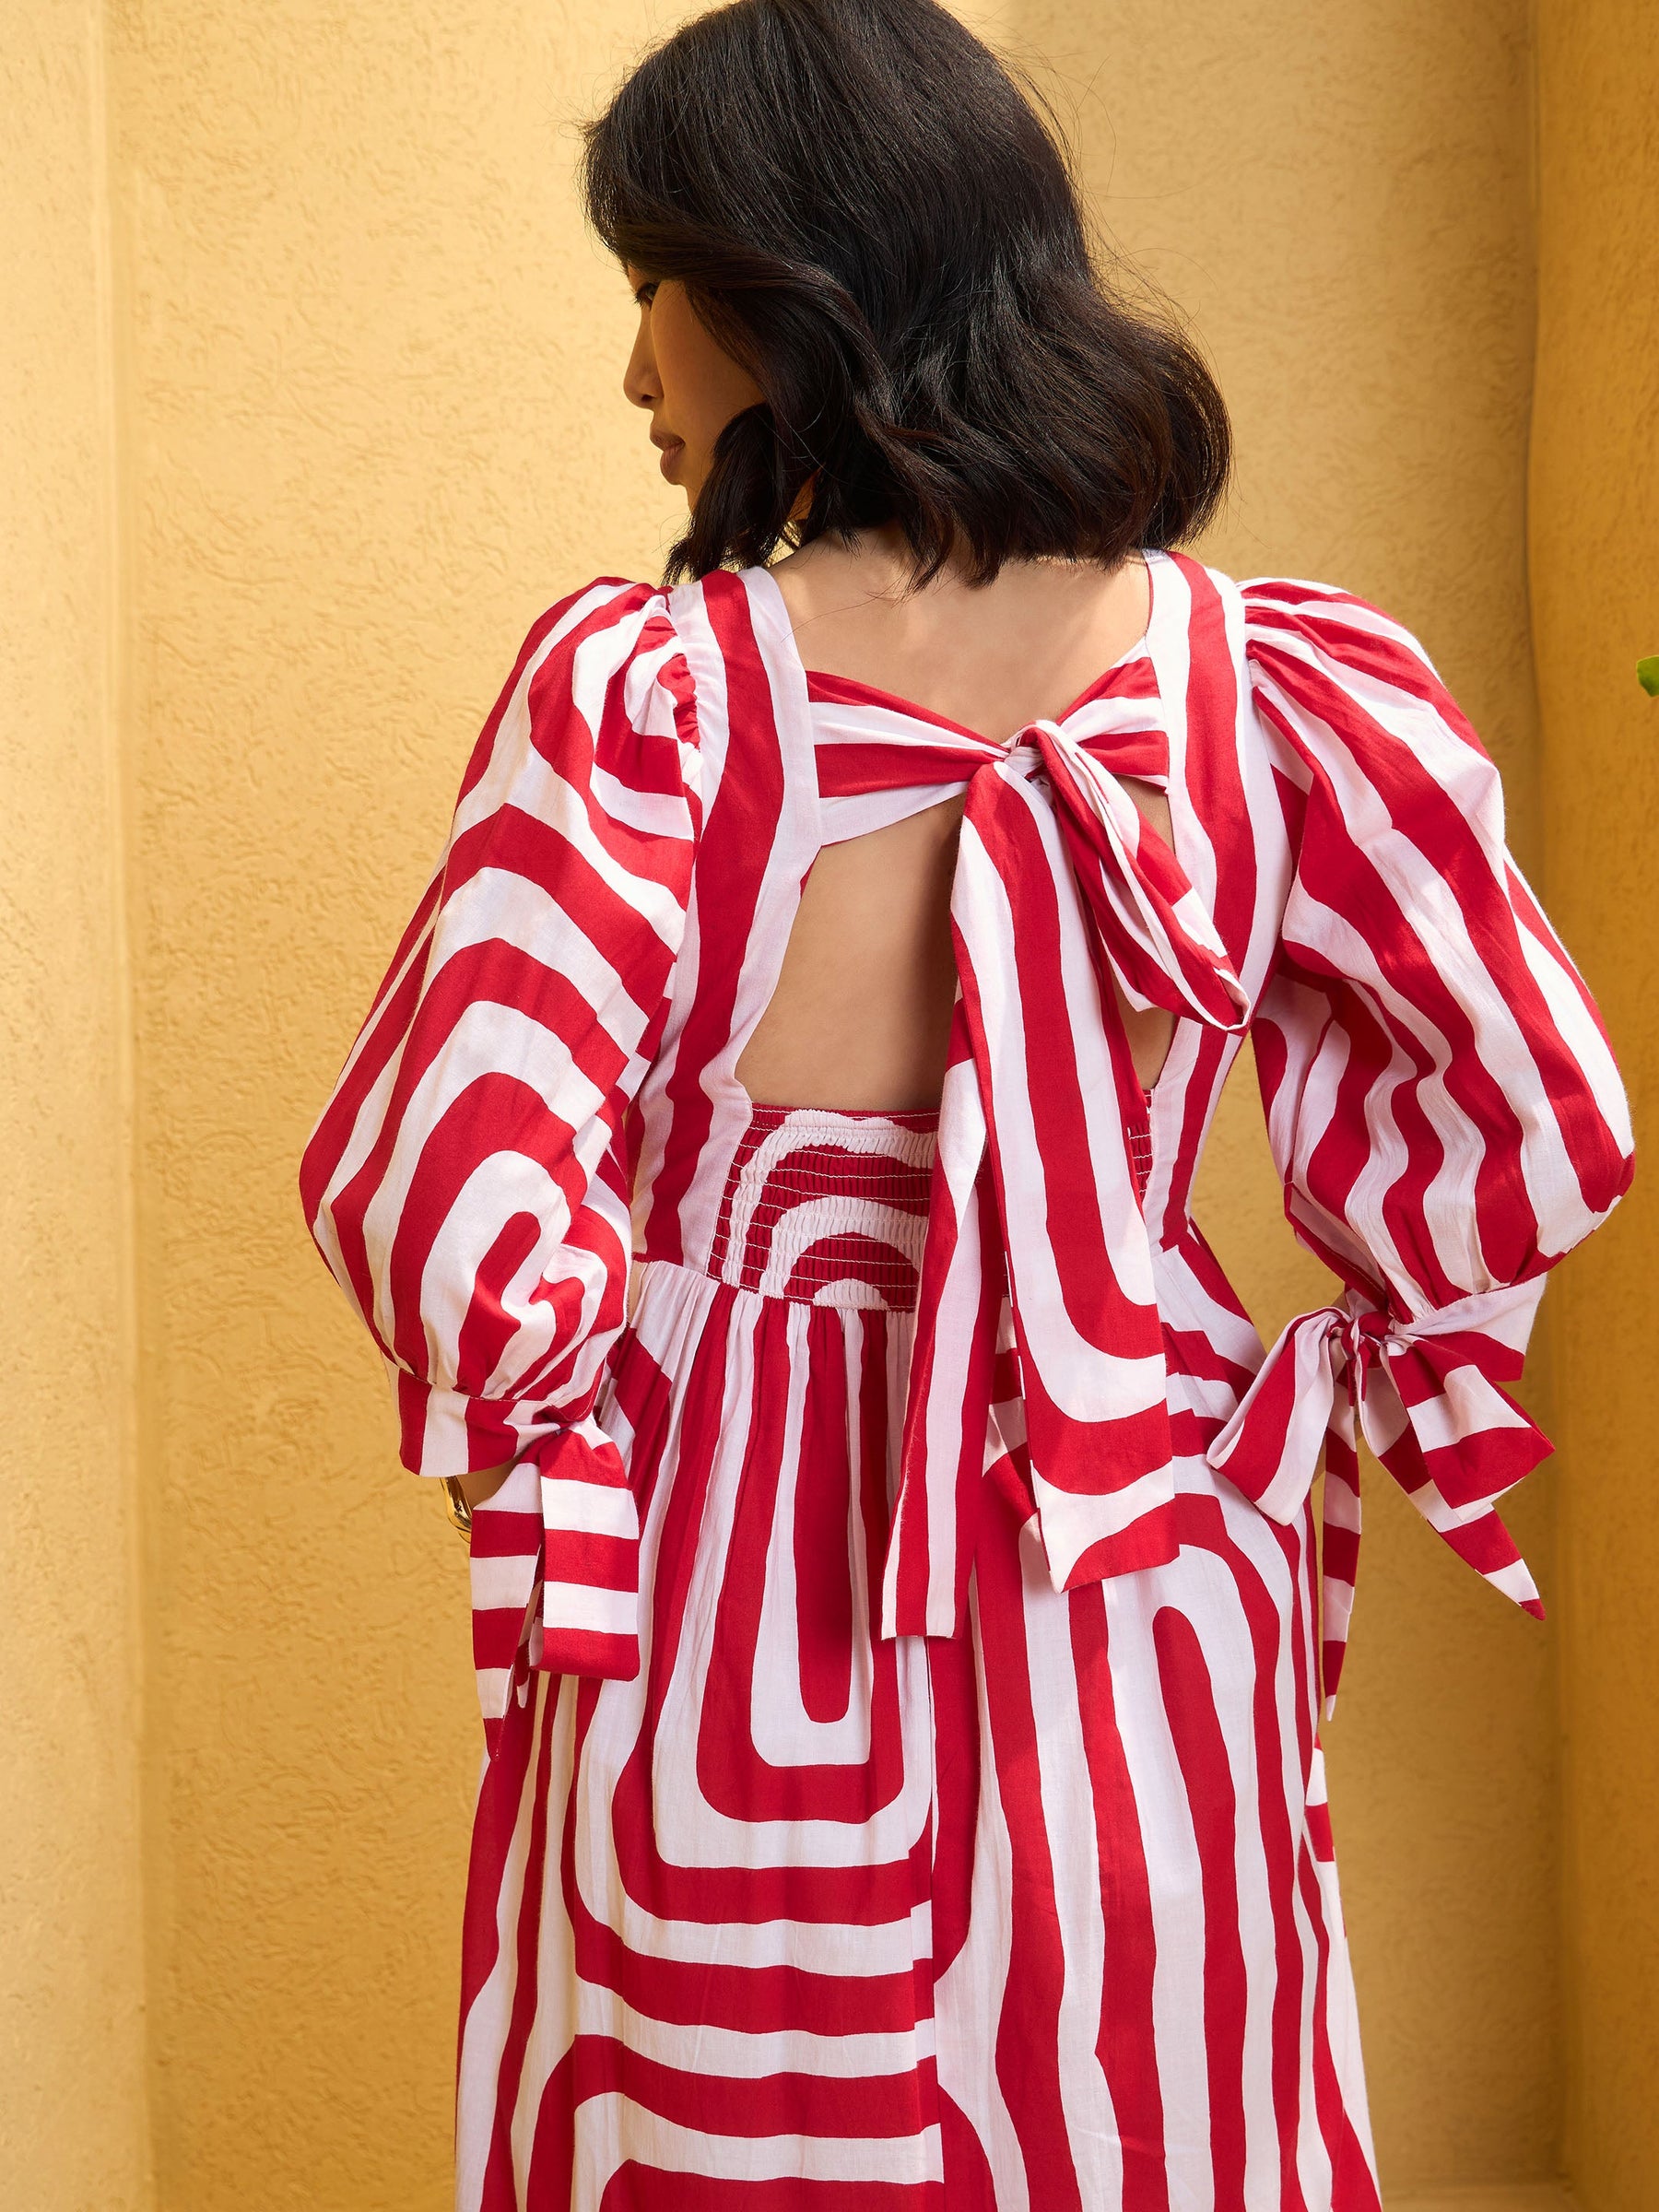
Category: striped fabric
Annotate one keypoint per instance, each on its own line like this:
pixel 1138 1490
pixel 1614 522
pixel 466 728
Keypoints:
pixel 1058 878
pixel 467 1183
pixel 1467 1123
pixel 828 1208
pixel 900 1647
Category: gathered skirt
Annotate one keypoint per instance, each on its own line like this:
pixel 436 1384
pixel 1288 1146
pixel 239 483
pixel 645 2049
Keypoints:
pixel 800 1920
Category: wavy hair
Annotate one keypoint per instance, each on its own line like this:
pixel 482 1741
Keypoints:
pixel 871 216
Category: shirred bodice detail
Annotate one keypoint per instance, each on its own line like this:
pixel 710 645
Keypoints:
pixel 830 1207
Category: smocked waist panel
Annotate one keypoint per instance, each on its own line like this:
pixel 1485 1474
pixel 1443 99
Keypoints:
pixel 827 1208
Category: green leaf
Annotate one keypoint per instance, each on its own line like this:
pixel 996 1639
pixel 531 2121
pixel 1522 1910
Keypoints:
pixel 1647 675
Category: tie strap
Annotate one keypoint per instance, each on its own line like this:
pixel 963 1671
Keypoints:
pixel 1039 1342
pixel 1428 1396
pixel 555 1551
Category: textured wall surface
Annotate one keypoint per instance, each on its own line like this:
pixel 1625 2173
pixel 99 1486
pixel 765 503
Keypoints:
pixel 1339 198
pixel 72 2106
pixel 376 430
pixel 1596 579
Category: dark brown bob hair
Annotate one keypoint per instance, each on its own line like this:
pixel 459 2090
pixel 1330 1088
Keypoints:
pixel 869 214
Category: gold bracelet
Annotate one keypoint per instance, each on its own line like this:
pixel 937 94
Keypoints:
pixel 456 1506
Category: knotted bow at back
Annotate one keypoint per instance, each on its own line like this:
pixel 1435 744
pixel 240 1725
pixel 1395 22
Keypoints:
pixel 1037 1330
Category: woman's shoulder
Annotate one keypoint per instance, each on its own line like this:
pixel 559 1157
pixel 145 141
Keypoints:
pixel 1294 613
pixel 613 641
pixel 620 603
pixel 676 629
pixel 599 692
pixel 1345 690
pixel 1295 630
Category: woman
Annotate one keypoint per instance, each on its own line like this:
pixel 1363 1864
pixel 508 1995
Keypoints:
pixel 901 1640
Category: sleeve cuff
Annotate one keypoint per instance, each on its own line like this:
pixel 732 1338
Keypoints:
pixel 450 1432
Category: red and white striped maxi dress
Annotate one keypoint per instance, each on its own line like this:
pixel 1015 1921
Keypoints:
pixel 901 1645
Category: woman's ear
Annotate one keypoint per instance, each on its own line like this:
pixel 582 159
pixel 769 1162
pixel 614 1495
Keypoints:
pixel 804 498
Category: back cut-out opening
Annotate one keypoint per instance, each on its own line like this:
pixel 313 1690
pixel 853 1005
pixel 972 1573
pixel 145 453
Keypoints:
pixel 860 1017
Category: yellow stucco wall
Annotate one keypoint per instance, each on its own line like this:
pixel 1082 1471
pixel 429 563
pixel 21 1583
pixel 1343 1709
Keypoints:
pixel 372 370
pixel 1596 595
pixel 73 2126
pixel 365 371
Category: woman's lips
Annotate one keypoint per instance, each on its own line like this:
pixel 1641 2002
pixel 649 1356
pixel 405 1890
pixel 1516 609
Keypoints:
pixel 670 454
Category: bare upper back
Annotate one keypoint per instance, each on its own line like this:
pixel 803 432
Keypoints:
pixel 992 657
pixel 861 1015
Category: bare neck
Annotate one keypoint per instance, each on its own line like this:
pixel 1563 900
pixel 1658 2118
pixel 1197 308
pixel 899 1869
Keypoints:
pixel 990 656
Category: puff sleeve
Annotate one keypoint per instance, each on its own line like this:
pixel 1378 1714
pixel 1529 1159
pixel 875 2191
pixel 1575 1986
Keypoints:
pixel 468 1182
pixel 1441 1100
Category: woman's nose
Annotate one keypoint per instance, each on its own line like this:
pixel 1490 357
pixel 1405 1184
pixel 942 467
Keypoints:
pixel 639 381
